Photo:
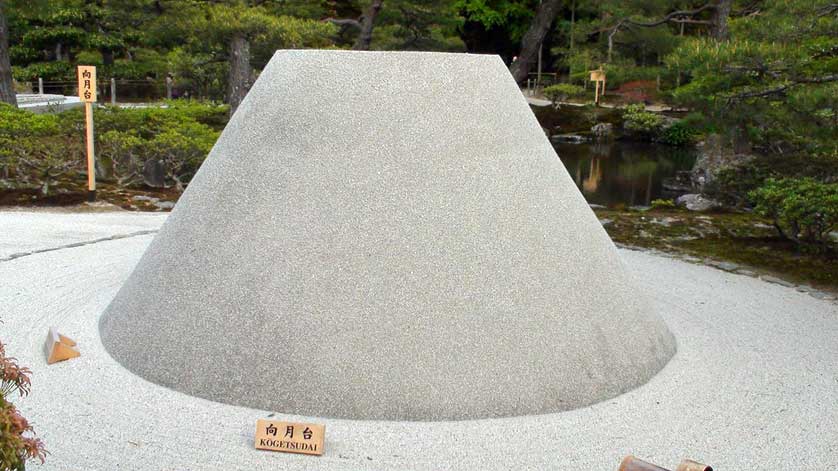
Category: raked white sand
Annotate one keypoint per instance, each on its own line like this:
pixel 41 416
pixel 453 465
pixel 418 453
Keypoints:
pixel 754 384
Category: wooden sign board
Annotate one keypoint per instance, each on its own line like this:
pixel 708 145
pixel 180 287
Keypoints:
pixel 290 437
pixel 58 347
pixel 597 76
pixel 87 83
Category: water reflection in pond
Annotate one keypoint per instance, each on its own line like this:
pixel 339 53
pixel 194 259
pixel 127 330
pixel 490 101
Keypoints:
pixel 623 173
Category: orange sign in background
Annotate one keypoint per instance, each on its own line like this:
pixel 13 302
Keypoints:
pixel 87 83
pixel 290 437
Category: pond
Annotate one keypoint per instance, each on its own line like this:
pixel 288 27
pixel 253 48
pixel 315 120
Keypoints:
pixel 618 172
pixel 622 173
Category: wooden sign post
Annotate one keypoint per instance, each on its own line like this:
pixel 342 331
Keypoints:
pixel 290 437
pixel 598 77
pixel 87 94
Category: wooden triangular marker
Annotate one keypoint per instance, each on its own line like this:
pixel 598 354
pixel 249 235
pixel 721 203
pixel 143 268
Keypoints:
pixel 59 347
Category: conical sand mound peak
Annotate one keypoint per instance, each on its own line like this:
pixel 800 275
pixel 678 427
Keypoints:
pixel 385 236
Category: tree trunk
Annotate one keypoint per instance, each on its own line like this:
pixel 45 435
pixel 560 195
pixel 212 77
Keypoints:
pixel 719 28
pixel 611 42
pixel 367 24
pixel 107 57
pixel 572 23
pixel 241 74
pixel 532 40
pixel 7 88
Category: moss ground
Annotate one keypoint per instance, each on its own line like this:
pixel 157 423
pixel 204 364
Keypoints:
pixel 740 238
pixel 73 191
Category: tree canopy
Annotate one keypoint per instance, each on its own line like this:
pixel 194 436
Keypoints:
pixel 763 69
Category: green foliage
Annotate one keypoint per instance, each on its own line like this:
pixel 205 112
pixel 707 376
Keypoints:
pixel 679 134
pixel 197 73
pixel 803 209
pixel 147 39
pixel 562 91
pixel 648 126
pixel 58 70
pixel 19 124
pixel 774 81
pixel 179 136
pixel 144 63
pixel 214 115
pixel 641 123
pixel 512 16
pixel 418 25
pixel 34 149
pixel 40 150
pixel 662 204
pixel 580 63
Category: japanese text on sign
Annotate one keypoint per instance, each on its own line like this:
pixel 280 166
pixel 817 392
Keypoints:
pixel 87 83
pixel 290 437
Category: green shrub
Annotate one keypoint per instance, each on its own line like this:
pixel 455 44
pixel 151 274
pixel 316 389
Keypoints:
pixel 56 70
pixel 35 150
pixel 562 91
pixel 678 134
pixel 642 123
pixel 214 115
pixel 732 184
pixel 39 150
pixel 125 154
pixel 803 209
pixel 179 136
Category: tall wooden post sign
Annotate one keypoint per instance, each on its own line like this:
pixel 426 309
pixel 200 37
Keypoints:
pixel 87 94
pixel 598 77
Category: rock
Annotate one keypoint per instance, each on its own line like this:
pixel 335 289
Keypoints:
pixel 603 130
pixel 671 184
pixel 164 204
pixel 821 295
pixel 681 183
pixel 150 199
pixel 569 138
pixel 714 154
pixel 154 173
pixel 726 266
pixel 696 202
pixel 776 281
pixel 605 222
pixel 666 221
